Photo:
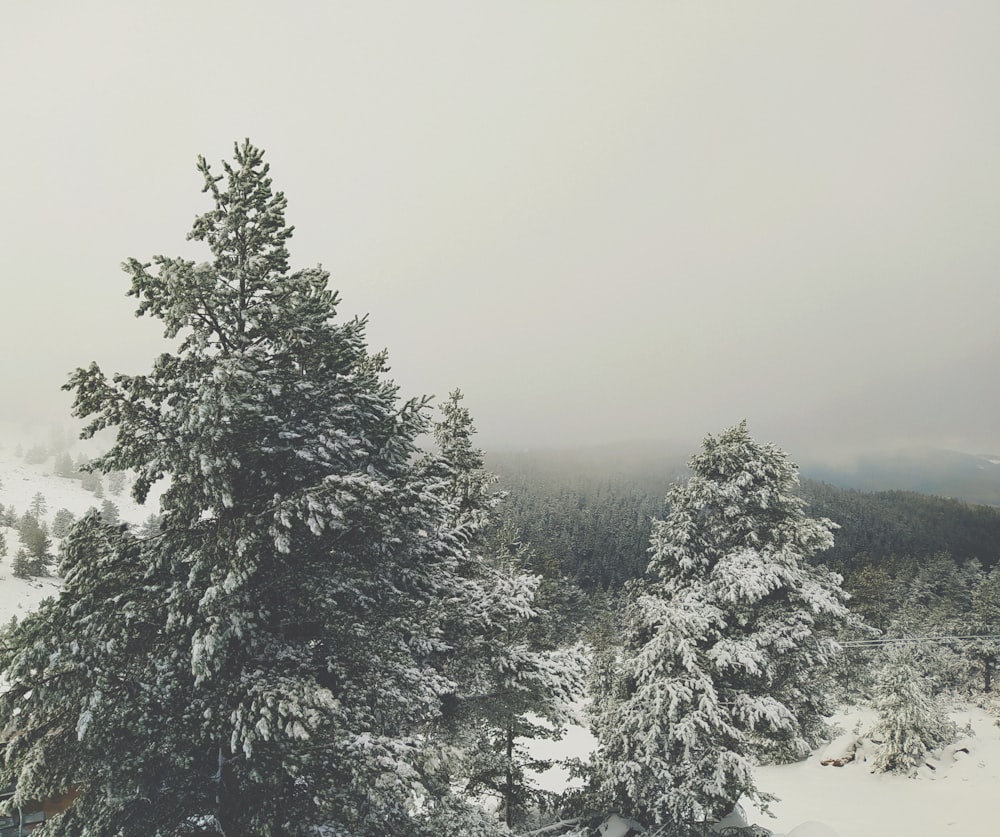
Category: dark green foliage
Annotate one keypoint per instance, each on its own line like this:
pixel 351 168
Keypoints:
pixel 528 677
pixel 61 523
pixel 985 620
pixel 902 523
pixel 587 521
pixel 272 660
pixel 109 512
pixel 942 607
pixel 589 517
pixel 876 594
pixel 515 679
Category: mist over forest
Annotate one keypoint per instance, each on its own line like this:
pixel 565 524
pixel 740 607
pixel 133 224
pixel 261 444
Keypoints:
pixel 602 227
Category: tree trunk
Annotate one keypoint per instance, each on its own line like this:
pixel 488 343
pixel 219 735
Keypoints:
pixel 508 802
pixel 226 808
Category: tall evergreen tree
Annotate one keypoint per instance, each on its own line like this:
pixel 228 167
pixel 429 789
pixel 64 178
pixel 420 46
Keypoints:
pixel 38 506
pixel 61 522
pixel 985 621
pixel 525 689
pixel 36 545
pixel 462 465
pixel 267 662
pixel 721 649
pixel 513 682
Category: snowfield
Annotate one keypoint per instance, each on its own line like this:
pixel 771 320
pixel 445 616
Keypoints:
pixel 19 482
pixel 955 793
pixel 958 795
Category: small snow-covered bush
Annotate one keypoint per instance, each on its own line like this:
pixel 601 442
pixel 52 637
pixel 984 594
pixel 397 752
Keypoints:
pixel 911 719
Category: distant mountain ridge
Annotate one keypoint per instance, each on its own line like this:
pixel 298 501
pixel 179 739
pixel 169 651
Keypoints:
pixel 588 512
pixel 970 478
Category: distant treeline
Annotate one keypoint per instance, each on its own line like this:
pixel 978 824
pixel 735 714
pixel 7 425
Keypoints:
pixel 902 523
pixel 590 520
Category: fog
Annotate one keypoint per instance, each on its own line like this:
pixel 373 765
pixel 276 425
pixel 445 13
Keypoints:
pixel 601 221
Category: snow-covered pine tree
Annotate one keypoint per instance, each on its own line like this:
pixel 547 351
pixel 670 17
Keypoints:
pixel 911 720
pixel 462 465
pixel 939 602
pixel 61 522
pixel 526 686
pixel 985 619
pixel 33 533
pixel 513 682
pixel 267 661
pixel 720 653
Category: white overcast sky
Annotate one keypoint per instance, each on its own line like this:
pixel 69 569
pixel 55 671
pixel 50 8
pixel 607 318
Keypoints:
pixel 602 221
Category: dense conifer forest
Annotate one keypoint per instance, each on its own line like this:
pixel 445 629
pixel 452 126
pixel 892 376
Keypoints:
pixel 589 516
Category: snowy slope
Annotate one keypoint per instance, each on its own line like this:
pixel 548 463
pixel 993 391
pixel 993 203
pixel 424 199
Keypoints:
pixel 19 482
pixel 961 796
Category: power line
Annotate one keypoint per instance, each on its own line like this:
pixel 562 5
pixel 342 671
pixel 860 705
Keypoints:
pixel 875 643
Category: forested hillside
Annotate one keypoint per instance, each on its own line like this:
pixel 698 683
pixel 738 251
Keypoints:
pixel 586 513
pixel 588 516
pixel 903 523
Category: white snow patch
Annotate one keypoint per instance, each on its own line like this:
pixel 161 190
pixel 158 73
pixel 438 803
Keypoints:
pixel 812 829
pixel 958 797
pixel 577 742
pixel 19 483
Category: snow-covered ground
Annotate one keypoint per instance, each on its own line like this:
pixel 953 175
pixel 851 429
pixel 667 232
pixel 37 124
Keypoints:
pixel 20 482
pixel 960 796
